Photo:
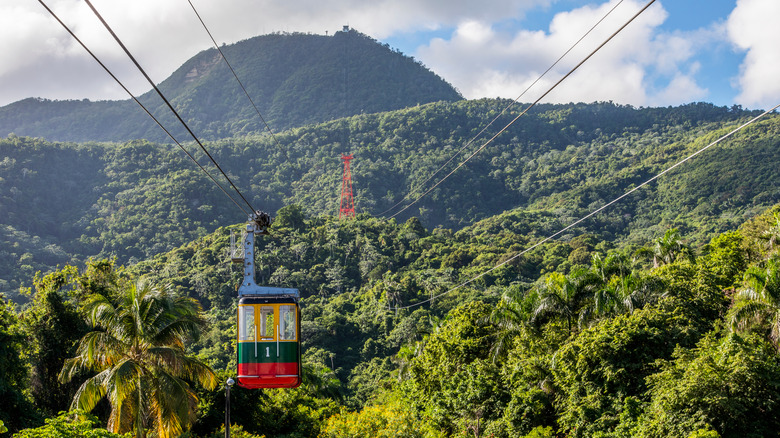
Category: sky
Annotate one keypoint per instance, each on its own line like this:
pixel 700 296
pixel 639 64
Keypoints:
pixel 675 52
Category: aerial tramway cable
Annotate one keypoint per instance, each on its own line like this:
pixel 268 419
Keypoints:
pixel 517 99
pixel 162 96
pixel 253 371
pixel 594 212
pixel 141 105
pixel 525 110
pixel 278 144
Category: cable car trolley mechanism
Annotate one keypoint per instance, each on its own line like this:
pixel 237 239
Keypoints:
pixel 268 348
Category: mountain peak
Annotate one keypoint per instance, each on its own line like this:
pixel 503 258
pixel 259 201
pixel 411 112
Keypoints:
pixel 295 79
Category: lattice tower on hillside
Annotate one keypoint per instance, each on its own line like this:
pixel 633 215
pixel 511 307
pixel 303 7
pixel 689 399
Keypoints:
pixel 347 207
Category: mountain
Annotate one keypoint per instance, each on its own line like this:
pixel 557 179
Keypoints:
pixel 64 202
pixel 294 79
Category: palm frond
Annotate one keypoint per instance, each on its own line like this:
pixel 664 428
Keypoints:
pixel 172 405
pixel 123 380
pixel 200 373
pixel 747 313
pixel 100 349
pixel 90 392
pixel 124 395
pixel 125 417
pixel 175 362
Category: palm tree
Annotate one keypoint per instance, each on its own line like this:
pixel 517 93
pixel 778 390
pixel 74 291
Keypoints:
pixel 320 381
pixel 562 295
pixel 633 291
pixel 773 234
pixel 618 288
pixel 758 302
pixel 669 248
pixel 510 317
pixel 614 264
pixel 138 353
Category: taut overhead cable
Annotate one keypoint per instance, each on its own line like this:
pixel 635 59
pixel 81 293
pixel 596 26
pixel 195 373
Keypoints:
pixel 110 73
pixel 173 110
pixel 596 211
pixel 526 109
pixel 279 145
pixel 517 99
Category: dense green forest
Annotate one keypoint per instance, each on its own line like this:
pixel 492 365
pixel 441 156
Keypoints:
pixel 294 79
pixel 64 202
pixel 583 336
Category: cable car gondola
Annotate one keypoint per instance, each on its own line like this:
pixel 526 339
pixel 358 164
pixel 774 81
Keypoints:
pixel 268 349
pixel 269 352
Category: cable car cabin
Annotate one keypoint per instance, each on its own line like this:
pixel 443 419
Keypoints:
pixel 269 319
pixel 269 349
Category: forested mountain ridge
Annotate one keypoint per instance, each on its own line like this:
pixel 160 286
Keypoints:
pixel 65 202
pixel 294 79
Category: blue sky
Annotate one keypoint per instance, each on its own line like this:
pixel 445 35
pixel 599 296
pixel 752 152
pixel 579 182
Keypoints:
pixel 676 52
pixel 719 64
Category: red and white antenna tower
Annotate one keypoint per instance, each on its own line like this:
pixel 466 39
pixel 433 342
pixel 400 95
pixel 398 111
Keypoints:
pixel 347 207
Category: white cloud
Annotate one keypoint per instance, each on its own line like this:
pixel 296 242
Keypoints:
pixel 628 69
pixel 752 27
pixel 682 88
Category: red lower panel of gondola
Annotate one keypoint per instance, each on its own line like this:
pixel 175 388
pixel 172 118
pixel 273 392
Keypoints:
pixel 269 375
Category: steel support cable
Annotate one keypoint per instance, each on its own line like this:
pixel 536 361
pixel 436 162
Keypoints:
pixel 526 109
pixel 594 212
pixel 278 144
pixel 470 142
pixel 162 96
pixel 140 104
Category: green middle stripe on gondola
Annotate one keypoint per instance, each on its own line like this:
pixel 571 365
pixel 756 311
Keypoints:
pixel 266 352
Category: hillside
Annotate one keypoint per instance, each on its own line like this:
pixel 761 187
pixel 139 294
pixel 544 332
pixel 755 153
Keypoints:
pixel 294 79
pixel 575 337
pixel 64 202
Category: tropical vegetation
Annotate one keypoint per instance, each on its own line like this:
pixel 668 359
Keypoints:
pixel 138 353
pixel 138 199
pixel 561 342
